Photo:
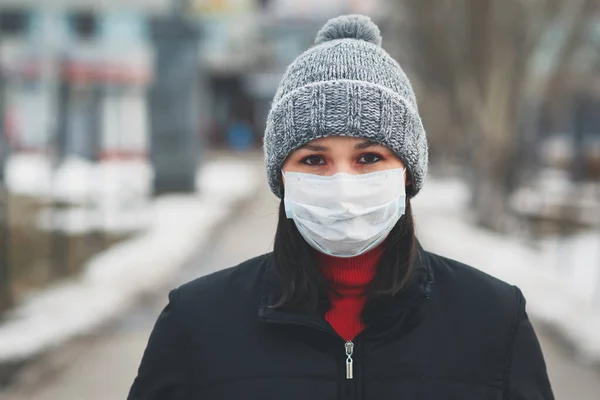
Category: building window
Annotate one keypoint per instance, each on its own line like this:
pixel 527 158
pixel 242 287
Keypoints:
pixel 84 25
pixel 13 22
pixel 264 4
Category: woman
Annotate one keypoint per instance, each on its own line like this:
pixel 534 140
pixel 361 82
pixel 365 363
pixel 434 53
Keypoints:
pixel 348 305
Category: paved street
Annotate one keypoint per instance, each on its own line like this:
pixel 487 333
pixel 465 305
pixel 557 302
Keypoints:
pixel 103 367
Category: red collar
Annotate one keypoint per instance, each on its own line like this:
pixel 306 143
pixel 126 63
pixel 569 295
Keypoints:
pixel 350 276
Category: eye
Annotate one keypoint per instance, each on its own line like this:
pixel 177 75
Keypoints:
pixel 313 160
pixel 369 158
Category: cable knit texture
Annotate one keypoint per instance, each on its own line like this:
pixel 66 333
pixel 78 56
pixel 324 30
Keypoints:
pixel 350 277
pixel 345 85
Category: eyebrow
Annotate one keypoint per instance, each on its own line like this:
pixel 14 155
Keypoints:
pixel 360 146
pixel 365 145
pixel 315 147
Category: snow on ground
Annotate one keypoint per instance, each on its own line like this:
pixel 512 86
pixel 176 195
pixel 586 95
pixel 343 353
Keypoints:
pixel 560 278
pixel 108 196
pixel 554 192
pixel 78 181
pixel 29 174
pixel 81 220
pixel 114 278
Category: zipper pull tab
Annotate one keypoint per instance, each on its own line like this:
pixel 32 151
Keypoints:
pixel 349 348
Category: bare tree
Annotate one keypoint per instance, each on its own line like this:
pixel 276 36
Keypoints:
pixel 481 59
pixel 5 283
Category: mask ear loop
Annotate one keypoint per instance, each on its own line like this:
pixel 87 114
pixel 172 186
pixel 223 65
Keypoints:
pixel 283 182
pixel 408 182
pixel 286 204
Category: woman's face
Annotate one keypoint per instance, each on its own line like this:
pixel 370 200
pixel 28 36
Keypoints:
pixel 335 154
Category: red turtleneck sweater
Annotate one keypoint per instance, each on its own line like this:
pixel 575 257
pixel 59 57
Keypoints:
pixel 350 277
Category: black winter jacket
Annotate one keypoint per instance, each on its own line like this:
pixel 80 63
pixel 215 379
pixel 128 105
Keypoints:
pixel 454 334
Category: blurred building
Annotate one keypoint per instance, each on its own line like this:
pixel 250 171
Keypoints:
pixel 76 73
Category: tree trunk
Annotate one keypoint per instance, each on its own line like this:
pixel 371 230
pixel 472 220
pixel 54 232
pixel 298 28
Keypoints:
pixel 495 171
pixel 490 200
pixel 6 300
pixel 5 287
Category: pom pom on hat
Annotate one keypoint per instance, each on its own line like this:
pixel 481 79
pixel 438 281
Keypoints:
pixel 358 27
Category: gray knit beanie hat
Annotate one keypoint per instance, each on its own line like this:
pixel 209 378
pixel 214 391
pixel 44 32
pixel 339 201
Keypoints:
pixel 345 85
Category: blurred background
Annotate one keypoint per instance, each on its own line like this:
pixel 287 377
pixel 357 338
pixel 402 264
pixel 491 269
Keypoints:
pixel 130 162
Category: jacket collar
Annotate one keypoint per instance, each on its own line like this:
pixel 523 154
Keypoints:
pixel 384 314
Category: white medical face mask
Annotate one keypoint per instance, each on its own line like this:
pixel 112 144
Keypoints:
pixel 345 215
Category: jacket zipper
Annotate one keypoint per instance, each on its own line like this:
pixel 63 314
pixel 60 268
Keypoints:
pixel 349 349
pixel 349 346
